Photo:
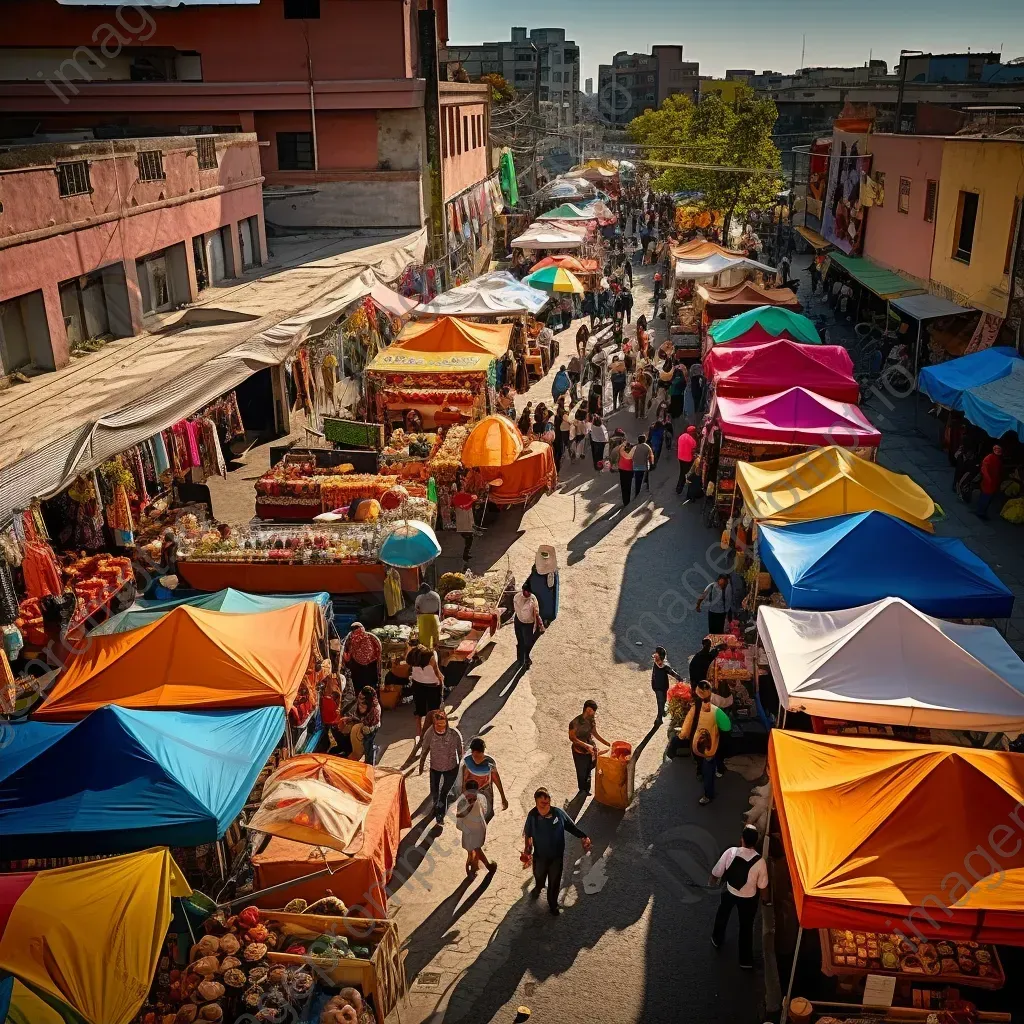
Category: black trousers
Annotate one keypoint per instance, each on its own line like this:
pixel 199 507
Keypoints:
pixel 584 766
pixel 548 871
pixel 526 637
pixel 716 622
pixel 746 906
pixel 468 546
pixel 597 448
pixel 440 786
pixel 626 484
pixel 661 696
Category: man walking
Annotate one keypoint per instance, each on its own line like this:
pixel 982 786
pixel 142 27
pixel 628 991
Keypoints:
pixel 991 478
pixel 544 845
pixel 643 461
pixel 661 670
pixel 718 595
pixel 659 292
pixel 582 734
pixel 686 448
pixel 745 875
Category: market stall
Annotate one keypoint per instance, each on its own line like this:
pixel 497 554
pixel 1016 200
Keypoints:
pixel 569 212
pixel 765 323
pixel 946 383
pixel 333 557
pixel 193 659
pixel 852 560
pixel 890 664
pixel 748 371
pixel 516 483
pixel 546 236
pixel 826 482
pixel 87 938
pixel 139 779
pixel 497 294
pixel 876 852
pixel 998 407
pixel 755 430
pixel 725 303
pixel 436 365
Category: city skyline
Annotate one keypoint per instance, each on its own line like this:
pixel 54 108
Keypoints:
pixel 774 35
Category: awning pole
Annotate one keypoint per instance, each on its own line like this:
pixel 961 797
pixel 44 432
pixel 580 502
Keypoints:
pixel 917 362
pixel 792 976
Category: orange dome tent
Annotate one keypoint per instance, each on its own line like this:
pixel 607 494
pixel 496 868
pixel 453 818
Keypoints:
pixel 495 441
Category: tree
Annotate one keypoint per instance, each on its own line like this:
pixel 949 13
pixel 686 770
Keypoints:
pixel 686 142
pixel 501 91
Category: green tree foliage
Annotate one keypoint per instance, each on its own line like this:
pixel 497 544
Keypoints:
pixel 716 133
pixel 501 91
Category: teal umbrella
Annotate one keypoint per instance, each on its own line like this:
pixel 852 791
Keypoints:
pixel 410 544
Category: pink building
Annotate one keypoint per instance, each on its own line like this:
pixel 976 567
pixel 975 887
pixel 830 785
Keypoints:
pixel 900 232
pixel 96 235
pixel 332 88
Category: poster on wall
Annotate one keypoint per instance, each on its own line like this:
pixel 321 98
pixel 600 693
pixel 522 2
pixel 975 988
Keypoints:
pixel 843 219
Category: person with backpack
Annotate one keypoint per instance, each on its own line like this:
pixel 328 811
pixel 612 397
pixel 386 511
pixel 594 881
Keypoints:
pixel 744 872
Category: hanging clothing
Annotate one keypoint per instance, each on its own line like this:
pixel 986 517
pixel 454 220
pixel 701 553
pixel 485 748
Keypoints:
pixel 8 595
pixel 40 569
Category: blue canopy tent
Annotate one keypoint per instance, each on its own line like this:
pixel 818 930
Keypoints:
pixel 947 382
pixel 848 561
pixel 998 407
pixel 142 613
pixel 120 780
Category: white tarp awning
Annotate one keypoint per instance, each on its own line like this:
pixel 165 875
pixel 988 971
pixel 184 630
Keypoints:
pixel 715 264
pixel 496 294
pixel 890 664
pixel 928 307
pixel 540 236
pixel 62 424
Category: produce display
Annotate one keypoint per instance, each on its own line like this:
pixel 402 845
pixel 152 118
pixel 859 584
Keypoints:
pixel 443 463
pixel 317 543
pixel 299 479
pixel 409 446
pixel 894 954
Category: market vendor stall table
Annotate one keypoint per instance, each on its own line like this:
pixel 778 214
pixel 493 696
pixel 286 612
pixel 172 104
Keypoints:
pixel 268 578
pixel 532 472
pixel 360 881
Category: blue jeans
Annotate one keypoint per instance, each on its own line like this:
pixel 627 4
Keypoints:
pixel 984 500
pixel 638 480
pixel 707 774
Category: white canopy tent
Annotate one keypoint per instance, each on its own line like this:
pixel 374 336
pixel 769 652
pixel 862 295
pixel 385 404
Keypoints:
pixel 715 264
pixel 890 664
pixel 496 294
pixel 541 236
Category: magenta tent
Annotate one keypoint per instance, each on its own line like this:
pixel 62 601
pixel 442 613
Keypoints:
pixel 796 416
pixel 749 371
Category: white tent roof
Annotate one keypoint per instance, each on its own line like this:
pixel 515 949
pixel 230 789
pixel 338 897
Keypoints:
pixel 928 307
pixel 542 236
pixel 497 294
pixel 891 664
pixel 715 264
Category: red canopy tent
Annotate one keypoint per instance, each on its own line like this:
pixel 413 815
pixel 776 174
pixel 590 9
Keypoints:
pixel 796 416
pixel 747 371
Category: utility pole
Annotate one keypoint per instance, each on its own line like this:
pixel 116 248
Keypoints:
pixel 903 82
pixel 427 25
pixel 536 112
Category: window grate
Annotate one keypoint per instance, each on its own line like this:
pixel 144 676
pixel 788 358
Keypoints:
pixel 931 200
pixel 295 151
pixel 151 165
pixel 206 150
pixel 73 178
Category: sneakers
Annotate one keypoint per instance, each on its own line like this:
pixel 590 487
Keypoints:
pixel 715 944
pixel 535 892
pixel 554 911
pixel 704 801
pixel 719 775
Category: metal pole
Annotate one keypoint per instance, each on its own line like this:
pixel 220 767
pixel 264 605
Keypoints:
pixel 917 362
pixel 792 976
pixel 899 95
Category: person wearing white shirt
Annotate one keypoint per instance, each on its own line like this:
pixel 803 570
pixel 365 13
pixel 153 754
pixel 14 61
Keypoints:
pixel 745 875
pixel 598 440
pixel 528 623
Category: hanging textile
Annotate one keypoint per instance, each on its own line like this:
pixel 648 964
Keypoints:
pixel 161 459
pixel 393 596
pixel 40 569
pixel 8 690
pixel 8 595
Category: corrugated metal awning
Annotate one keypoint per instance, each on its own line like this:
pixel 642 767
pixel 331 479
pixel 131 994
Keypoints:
pixel 928 307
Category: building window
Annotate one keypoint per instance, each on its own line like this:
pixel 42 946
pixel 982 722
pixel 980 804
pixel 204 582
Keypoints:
pixel 465 132
pixel 444 133
pixel 570 57
pixel 73 178
pixel 903 203
pixel 966 219
pixel 151 165
pixel 480 128
pixel 295 9
pixel 295 151
pixel 206 151
pixel 1015 223
pixel 472 131
pixel 931 200
pixel 453 144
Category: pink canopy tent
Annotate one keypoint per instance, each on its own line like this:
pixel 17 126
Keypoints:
pixel 796 416
pixel 748 371
pixel 397 305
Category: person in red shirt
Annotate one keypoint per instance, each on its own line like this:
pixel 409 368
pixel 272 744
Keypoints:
pixel 686 450
pixel 991 478
pixel 330 710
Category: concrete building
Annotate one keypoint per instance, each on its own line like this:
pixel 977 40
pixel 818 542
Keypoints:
pixel 518 61
pixel 726 88
pixel 94 236
pixel 959 68
pixel 635 82
pixel 333 89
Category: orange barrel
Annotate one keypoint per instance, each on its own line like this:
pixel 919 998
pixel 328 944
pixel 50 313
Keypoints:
pixel 615 773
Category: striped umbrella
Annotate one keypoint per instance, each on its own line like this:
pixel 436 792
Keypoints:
pixel 555 279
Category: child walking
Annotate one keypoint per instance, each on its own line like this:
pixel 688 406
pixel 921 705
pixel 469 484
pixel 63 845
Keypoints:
pixel 471 820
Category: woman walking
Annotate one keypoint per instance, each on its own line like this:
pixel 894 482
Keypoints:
pixel 626 472
pixel 427 685
pixel 528 623
pixel 676 390
pixel 598 439
pixel 444 744
pixel 471 818
pixel 478 766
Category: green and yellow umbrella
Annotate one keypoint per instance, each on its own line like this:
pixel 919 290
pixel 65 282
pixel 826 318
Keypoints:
pixel 555 279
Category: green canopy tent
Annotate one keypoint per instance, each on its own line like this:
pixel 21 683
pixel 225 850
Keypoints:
pixel 567 211
pixel 768 322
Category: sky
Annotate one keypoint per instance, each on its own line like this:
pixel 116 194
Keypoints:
pixel 758 34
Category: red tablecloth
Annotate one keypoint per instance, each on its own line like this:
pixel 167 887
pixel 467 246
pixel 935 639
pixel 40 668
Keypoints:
pixel 267 578
pixel 533 471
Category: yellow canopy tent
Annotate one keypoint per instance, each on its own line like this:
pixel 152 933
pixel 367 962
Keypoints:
pixel 826 482
pixel 89 936
pixel 446 344
pixel 494 441
pixel 191 658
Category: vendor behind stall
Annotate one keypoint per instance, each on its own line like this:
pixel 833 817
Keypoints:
pixel 428 611
pixel 361 655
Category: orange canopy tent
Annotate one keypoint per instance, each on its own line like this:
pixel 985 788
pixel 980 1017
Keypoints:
pixel 883 835
pixel 360 881
pixel 700 249
pixel 722 303
pixel 494 441
pixel 191 658
pixel 353 777
pixel 450 334
pixel 533 472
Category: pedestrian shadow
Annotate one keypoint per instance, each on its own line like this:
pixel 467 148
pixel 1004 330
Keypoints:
pixel 593 534
pixel 435 933
pixel 483 710
pixel 412 850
